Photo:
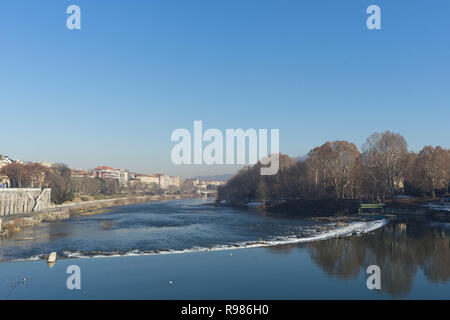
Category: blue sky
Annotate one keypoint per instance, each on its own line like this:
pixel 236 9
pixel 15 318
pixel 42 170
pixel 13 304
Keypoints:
pixel 113 92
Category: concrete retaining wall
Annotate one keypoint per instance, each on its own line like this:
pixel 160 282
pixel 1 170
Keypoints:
pixel 18 201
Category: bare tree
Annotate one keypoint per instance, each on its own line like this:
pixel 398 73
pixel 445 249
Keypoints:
pixel 262 192
pixel 16 173
pixel 334 164
pixel 319 164
pixel 431 169
pixel 25 175
pixel 383 154
pixel 36 173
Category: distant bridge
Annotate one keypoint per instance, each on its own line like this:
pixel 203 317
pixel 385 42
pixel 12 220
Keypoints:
pixel 208 193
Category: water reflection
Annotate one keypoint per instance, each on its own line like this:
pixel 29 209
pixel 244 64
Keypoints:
pixel 282 249
pixel 401 249
pixel 342 258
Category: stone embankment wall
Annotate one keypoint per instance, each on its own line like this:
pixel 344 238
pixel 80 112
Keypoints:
pixel 23 201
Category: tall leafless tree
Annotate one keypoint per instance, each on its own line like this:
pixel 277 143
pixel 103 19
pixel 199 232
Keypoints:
pixel 383 155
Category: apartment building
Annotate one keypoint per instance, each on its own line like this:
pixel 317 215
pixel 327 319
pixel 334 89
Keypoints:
pixel 147 178
pixel 106 173
pixel 166 181
pixel 78 173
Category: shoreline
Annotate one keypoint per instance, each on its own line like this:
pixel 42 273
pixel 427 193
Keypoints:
pixel 335 210
pixel 14 224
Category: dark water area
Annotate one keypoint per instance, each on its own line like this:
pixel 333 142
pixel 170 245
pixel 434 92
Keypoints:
pixel 406 251
pixel 413 256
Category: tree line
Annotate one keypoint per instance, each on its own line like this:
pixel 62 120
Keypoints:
pixel 58 178
pixel 383 168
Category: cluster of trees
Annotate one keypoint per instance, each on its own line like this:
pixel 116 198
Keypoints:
pixel 35 175
pixel 94 186
pixel 337 169
pixel 145 188
pixel 58 178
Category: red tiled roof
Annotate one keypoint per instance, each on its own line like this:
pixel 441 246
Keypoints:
pixel 104 168
pixel 79 171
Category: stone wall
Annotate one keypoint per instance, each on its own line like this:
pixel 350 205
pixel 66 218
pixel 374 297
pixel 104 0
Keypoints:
pixel 22 201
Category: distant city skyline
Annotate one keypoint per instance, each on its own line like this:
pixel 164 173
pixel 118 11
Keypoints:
pixel 113 92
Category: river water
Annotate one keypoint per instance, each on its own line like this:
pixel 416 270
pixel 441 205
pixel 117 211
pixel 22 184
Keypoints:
pixel 228 253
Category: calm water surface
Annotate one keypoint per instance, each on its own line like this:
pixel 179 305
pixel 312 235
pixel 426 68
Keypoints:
pixel 414 257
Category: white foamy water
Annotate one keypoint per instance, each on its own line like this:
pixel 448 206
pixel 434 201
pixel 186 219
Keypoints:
pixel 333 231
pixel 443 207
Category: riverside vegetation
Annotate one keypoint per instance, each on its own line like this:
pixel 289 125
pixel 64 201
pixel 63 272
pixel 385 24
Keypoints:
pixel 334 174
pixel 67 189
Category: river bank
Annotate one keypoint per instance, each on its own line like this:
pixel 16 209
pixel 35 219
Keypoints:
pixel 16 223
pixel 341 209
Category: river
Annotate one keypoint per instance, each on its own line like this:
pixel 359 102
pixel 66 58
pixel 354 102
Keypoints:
pixel 188 249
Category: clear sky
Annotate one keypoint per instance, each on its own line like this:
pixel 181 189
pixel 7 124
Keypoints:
pixel 113 92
